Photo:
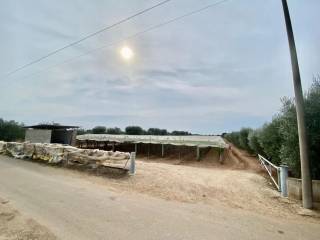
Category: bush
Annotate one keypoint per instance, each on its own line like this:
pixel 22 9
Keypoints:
pixel 157 131
pixel 11 131
pixel 134 130
pixel 312 103
pixel 271 140
pixel 253 141
pixel 180 133
pixel 99 130
pixel 114 130
pixel 233 137
pixel 289 130
pixel 81 131
pixel 243 139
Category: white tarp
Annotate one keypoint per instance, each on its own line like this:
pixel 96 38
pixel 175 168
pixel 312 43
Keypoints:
pixel 190 140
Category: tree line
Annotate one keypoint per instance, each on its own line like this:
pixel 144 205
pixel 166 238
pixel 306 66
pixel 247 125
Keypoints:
pixel 131 130
pixel 278 140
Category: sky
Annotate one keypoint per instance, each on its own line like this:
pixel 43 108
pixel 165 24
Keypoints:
pixel 216 71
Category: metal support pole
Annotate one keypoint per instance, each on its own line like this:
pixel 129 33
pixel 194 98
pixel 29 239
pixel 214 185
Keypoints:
pixel 135 148
pixel 132 169
pixel 162 150
pixel 303 144
pixel 113 147
pixel 148 150
pixel 279 179
pixel 221 153
pixel 198 153
pixel 283 180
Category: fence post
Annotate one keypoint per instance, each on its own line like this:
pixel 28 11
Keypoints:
pixel 283 180
pixel 198 153
pixel 279 179
pixel 162 150
pixel 221 153
pixel 135 148
pixel 132 169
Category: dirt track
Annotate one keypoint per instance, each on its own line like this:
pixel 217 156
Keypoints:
pixel 207 201
pixel 14 226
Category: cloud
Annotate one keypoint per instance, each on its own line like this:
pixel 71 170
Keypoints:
pixel 216 71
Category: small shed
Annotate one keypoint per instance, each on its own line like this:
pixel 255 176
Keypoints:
pixel 51 133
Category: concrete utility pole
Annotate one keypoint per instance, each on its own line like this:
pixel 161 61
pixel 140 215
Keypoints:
pixel 303 143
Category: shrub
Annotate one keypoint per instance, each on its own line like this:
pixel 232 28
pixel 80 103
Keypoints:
pixel 157 131
pixel 289 131
pixel 114 130
pixel 11 131
pixel 134 130
pixel 233 137
pixel 271 140
pixel 243 139
pixel 253 141
pixel 99 130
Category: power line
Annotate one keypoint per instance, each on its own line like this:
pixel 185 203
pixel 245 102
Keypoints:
pixel 132 36
pixel 86 37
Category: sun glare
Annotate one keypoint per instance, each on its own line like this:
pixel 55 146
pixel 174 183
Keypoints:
pixel 126 53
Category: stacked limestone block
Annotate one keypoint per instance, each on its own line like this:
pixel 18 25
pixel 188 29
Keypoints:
pixel 95 158
pixel 3 147
pixel 68 155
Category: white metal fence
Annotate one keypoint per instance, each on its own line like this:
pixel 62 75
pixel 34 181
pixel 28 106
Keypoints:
pixel 269 166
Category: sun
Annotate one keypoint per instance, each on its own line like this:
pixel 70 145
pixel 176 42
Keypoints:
pixel 126 53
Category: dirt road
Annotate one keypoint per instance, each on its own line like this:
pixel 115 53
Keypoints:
pixel 74 206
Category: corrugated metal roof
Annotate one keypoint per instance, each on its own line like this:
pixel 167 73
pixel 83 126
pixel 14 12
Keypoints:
pixel 51 126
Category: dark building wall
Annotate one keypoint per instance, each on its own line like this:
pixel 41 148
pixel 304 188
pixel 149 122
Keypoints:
pixel 63 136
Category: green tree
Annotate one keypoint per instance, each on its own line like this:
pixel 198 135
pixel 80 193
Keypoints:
pixel 253 141
pixel 99 130
pixel 243 139
pixel 289 131
pixel 233 137
pixel 81 131
pixel 180 133
pixel 11 131
pixel 157 131
pixel 114 130
pixel 134 130
pixel 271 140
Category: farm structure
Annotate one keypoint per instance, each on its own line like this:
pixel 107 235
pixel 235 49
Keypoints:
pixel 49 133
pixel 164 146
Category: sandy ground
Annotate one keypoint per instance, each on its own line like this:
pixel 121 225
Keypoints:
pixel 14 226
pixel 239 183
pixel 183 199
